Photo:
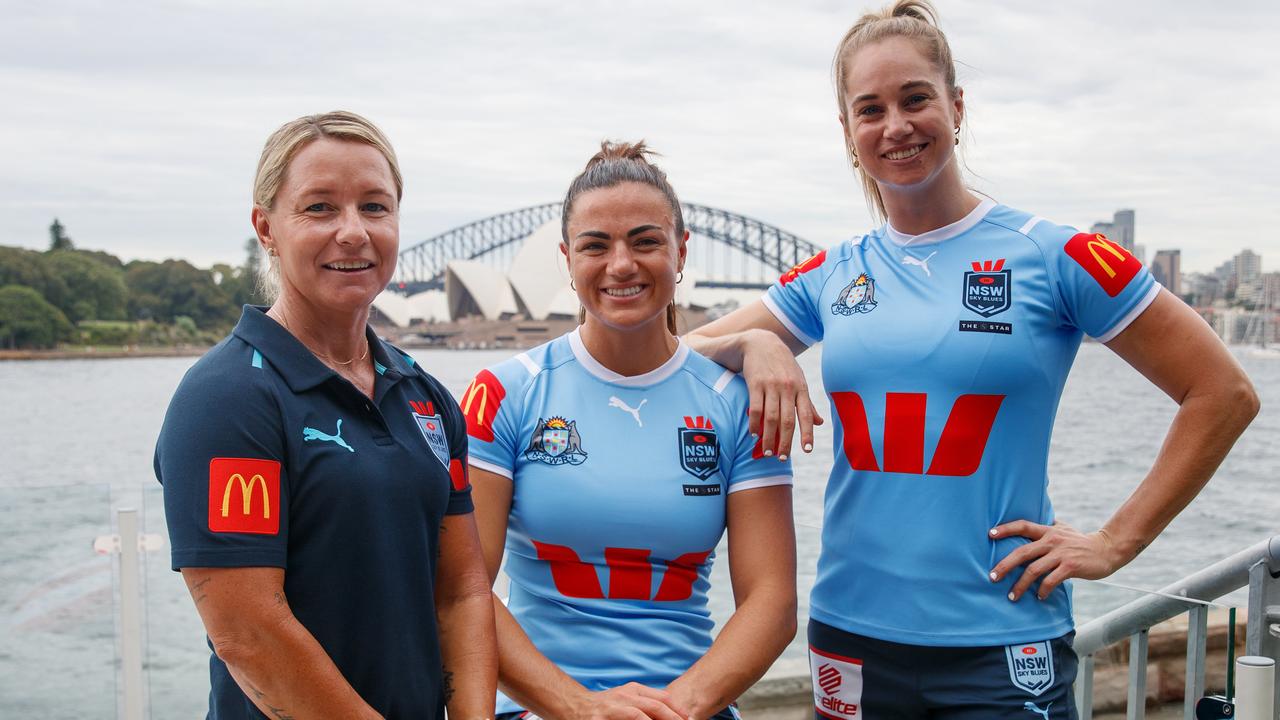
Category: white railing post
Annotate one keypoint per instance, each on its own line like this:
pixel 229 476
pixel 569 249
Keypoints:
pixel 1255 688
pixel 1084 688
pixel 1263 637
pixel 130 615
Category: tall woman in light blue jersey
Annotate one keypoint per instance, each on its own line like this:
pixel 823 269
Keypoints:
pixel 609 463
pixel 949 334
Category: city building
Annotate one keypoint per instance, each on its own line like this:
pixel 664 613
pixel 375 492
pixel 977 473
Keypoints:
pixel 1167 269
pixel 1121 229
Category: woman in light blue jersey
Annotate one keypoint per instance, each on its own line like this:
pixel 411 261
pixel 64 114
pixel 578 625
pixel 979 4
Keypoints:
pixel 950 331
pixel 608 463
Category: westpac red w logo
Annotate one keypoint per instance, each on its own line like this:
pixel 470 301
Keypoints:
pixel 960 448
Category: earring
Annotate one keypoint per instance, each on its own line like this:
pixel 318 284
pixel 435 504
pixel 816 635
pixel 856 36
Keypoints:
pixel 855 159
pixel 679 277
pixel 957 140
pixel 271 251
pixel 572 286
pixel 957 134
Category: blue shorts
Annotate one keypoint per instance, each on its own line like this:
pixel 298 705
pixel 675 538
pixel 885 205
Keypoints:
pixel 856 676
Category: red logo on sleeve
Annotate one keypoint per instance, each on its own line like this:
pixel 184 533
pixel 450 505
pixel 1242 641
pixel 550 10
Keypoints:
pixel 480 404
pixel 244 496
pixel 1108 263
pixel 804 267
pixel 458 474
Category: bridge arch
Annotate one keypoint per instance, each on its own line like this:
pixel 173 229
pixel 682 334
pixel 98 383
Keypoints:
pixel 423 265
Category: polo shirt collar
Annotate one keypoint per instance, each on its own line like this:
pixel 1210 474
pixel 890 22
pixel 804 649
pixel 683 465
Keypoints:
pixel 299 367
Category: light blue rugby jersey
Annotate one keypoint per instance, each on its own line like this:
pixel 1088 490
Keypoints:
pixel 618 501
pixel 944 357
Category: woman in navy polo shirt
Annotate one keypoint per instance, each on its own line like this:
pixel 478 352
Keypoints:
pixel 314 476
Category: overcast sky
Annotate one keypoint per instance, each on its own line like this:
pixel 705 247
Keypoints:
pixel 138 124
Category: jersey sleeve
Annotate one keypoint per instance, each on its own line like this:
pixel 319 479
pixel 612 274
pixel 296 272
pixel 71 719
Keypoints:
pixel 796 297
pixel 491 405
pixel 456 431
pixel 747 466
pixel 1100 286
pixel 222 461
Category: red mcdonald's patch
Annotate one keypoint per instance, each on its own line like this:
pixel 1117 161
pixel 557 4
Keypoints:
pixel 244 496
pixel 804 267
pixel 1108 263
pixel 480 404
pixel 458 474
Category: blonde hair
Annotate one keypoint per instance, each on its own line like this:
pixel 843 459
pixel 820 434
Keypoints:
pixel 913 19
pixel 285 143
pixel 617 163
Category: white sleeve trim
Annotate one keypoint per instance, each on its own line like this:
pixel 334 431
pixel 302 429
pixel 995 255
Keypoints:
pixel 786 321
pixel 723 381
pixel 754 483
pixel 528 363
pixel 476 462
pixel 1034 221
pixel 1130 316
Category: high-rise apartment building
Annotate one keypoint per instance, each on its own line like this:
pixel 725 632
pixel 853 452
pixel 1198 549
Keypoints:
pixel 1121 229
pixel 1167 269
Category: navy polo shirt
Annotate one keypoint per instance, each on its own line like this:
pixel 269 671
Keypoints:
pixel 269 458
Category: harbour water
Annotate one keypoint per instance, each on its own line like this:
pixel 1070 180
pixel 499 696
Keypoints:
pixel 78 437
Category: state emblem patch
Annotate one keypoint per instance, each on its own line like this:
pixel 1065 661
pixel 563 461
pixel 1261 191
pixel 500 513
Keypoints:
pixel 432 428
pixel 1031 666
pixel 987 288
pixel 699 449
pixel 857 297
pixel 556 441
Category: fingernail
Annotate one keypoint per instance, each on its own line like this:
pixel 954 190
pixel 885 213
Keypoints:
pixel 993 577
pixel 768 453
pixel 755 436
pixel 1011 597
pixel 994 532
pixel 808 447
pixel 782 457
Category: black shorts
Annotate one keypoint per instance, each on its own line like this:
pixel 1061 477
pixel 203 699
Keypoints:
pixel 854 674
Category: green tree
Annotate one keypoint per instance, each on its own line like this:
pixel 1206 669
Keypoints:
pixel 27 268
pixel 95 291
pixel 58 239
pixel 28 321
pixel 163 291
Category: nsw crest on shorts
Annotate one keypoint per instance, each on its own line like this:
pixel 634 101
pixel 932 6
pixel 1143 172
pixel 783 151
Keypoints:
pixel 432 428
pixel 1031 666
pixel 986 288
pixel 699 450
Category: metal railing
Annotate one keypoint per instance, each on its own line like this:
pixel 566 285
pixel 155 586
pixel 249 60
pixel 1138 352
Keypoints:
pixel 1258 567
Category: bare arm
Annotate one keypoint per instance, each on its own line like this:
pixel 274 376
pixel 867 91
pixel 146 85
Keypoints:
pixel 750 340
pixel 465 617
pixel 1177 351
pixel 526 675
pixel 762 565
pixel 274 659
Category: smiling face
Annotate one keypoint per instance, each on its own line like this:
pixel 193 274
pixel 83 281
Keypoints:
pixel 900 115
pixel 334 225
pixel 623 254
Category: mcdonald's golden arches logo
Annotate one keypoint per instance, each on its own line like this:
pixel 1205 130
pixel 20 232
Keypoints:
pixel 244 496
pixel 1106 262
pixel 480 404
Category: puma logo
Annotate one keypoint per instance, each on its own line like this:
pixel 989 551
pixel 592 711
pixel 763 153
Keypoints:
pixel 922 264
pixel 1036 709
pixel 309 434
pixel 615 401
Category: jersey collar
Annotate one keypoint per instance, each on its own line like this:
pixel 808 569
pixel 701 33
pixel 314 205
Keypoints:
pixel 946 232
pixel 296 364
pixel 653 377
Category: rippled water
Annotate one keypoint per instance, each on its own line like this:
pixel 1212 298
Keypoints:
pixel 78 437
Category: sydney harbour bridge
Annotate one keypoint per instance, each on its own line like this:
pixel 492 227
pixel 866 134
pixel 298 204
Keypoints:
pixel 730 250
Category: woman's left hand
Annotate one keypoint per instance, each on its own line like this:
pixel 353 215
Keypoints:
pixel 1056 552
